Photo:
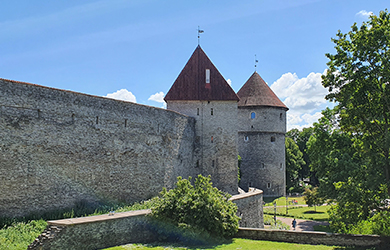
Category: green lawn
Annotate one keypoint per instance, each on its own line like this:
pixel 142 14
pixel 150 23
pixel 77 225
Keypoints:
pixel 241 244
pixel 281 201
pixel 307 213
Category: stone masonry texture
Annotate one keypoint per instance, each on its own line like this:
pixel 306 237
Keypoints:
pixel 59 148
pixel 261 145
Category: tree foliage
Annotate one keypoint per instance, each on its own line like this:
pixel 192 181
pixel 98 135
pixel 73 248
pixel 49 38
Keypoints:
pixel 312 198
pixel 200 206
pixel 353 142
pixel 358 80
pixel 344 173
pixel 301 138
pixel 379 224
pixel 294 162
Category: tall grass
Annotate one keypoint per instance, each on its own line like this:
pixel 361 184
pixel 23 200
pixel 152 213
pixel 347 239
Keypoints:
pixel 19 235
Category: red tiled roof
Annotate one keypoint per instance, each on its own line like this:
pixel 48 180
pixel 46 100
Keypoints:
pixel 256 92
pixel 191 82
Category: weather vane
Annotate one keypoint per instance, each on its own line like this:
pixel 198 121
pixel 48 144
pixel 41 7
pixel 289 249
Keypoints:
pixel 256 61
pixel 199 32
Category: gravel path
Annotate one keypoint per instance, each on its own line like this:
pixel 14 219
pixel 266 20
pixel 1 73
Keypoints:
pixel 302 225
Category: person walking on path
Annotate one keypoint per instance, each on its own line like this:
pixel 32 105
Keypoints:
pixel 294 224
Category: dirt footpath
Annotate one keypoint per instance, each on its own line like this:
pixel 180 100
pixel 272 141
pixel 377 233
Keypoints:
pixel 302 225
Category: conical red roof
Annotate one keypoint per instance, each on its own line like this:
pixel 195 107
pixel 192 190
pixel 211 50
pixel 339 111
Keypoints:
pixel 256 92
pixel 191 83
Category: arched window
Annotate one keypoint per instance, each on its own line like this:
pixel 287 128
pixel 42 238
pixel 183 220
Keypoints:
pixel 253 115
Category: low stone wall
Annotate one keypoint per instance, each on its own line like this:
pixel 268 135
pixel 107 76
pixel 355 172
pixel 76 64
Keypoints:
pixel 315 238
pixel 96 232
pixel 102 231
pixel 250 208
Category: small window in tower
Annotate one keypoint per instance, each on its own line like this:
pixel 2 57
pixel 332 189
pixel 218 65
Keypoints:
pixel 253 115
pixel 207 76
pixel 197 164
pixel 281 166
pixel 268 185
pixel 197 111
pixel 212 111
pixel 272 138
pixel 262 165
pixel 281 116
pixel 213 163
pixel 212 139
pixel 246 138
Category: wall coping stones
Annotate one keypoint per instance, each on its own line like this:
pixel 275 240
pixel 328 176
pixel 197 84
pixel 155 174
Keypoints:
pixel 98 218
pixel 251 192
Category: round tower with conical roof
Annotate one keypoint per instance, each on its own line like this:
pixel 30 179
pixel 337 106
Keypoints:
pixel 261 137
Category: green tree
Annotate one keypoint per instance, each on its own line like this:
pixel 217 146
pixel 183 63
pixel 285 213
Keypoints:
pixel 200 206
pixel 358 80
pixel 312 198
pixel 294 162
pixel 344 173
pixel 301 138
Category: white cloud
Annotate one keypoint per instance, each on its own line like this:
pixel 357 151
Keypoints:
pixel 158 97
pixel 123 95
pixel 364 13
pixel 229 82
pixel 305 97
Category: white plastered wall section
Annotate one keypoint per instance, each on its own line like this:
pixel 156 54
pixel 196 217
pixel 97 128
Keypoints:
pixel 215 139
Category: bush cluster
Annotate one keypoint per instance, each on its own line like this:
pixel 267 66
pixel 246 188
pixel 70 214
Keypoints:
pixel 379 224
pixel 200 207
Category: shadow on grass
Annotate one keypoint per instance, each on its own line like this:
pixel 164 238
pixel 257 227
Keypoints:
pixel 313 212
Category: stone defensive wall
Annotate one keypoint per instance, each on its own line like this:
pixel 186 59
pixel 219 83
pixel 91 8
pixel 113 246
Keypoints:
pixel 103 231
pixel 60 148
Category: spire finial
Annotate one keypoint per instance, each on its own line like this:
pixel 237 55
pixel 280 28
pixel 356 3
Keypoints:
pixel 199 32
pixel 256 61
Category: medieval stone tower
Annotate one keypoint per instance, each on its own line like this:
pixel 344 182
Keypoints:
pixel 252 124
pixel 201 92
pixel 261 137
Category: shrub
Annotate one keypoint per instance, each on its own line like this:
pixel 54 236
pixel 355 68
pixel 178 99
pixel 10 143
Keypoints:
pixel 200 207
pixel 378 224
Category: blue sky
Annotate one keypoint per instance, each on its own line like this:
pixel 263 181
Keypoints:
pixel 134 50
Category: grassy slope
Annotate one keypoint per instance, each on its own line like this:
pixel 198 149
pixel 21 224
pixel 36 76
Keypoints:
pixel 20 235
pixel 241 244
